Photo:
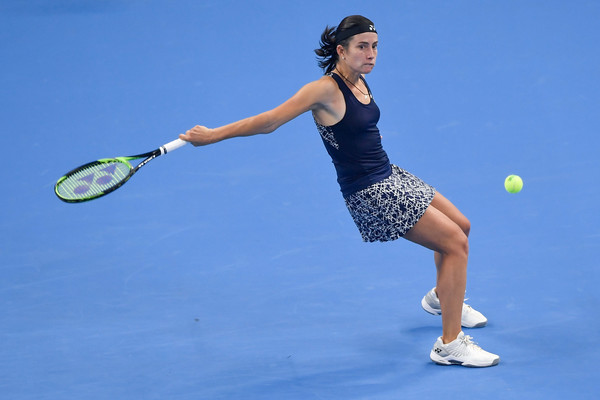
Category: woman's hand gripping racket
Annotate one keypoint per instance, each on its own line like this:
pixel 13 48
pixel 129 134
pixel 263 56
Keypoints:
pixel 99 178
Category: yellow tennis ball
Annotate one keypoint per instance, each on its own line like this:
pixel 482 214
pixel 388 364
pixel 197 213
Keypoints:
pixel 513 184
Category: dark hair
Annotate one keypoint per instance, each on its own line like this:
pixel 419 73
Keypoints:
pixel 327 53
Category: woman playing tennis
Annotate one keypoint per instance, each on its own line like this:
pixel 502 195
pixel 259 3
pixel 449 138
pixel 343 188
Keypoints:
pixel 385 201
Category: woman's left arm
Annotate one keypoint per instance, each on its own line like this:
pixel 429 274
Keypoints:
pixel 307 98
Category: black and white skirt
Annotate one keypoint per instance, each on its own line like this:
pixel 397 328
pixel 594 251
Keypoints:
pixel 388 209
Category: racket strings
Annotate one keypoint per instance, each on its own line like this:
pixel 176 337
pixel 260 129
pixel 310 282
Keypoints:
pixel 93 180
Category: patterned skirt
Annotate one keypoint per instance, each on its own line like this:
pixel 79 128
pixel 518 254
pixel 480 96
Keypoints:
pixel 386 210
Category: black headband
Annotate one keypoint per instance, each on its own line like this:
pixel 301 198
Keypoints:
pixel 355 30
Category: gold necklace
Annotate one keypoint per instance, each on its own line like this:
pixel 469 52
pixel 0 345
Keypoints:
pixel 366 95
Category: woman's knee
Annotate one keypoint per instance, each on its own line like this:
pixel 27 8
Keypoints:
pixel 458 244
pixel 465 226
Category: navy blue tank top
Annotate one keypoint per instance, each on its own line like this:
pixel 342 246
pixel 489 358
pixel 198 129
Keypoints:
pixel 354 143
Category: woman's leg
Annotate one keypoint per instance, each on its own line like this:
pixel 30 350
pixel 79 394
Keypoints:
pixel 439 232
pixel 450 210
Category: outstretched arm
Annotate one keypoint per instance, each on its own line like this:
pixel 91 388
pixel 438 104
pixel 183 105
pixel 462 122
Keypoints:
pixel 311 96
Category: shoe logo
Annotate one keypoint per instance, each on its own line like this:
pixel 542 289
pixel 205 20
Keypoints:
pixel 437 350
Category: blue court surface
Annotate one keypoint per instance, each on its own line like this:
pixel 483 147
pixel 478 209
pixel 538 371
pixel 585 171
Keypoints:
pixel 234 271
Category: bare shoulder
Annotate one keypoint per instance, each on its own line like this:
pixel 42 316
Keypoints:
pixel 326 84
pixel 331 106
pixel 316 94
pixel 324 91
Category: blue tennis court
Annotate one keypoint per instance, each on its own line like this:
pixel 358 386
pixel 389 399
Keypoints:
pixel 234 271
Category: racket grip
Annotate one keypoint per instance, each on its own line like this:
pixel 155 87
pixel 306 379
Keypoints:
pixel 174 145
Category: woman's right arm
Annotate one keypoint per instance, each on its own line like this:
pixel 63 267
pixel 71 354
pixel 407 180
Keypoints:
pixel 317 94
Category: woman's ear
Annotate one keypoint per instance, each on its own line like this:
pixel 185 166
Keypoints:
pixel 341 52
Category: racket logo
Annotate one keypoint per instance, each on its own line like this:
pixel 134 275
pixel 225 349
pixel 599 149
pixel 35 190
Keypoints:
pixel 90 179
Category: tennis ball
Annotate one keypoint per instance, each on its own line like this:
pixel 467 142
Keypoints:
pixel 513 184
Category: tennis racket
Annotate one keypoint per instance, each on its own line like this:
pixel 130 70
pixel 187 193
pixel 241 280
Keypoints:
pixel 99 178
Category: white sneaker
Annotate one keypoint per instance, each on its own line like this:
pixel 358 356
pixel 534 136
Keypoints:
pixel 462 351
pixel 471 318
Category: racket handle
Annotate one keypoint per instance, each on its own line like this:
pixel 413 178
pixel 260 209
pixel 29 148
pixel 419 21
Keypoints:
pixel 174 145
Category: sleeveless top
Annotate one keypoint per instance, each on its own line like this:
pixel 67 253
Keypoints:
pixel 354 143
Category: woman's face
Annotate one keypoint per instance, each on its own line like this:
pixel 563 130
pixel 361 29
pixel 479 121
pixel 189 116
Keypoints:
pixel 361 52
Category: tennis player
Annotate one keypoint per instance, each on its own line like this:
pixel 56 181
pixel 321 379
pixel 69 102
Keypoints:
pixel 385 201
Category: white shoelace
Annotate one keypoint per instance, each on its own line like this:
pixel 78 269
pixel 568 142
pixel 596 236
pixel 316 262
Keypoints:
pixel 468 342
